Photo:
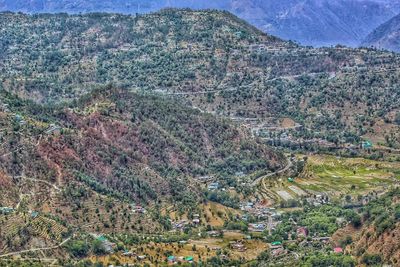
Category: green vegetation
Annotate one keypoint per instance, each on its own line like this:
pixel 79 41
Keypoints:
pixel 130 56
pixel 79 156
pixel 338 94
pixel 18 263
pixel 225 198
pixel 321 260
pixel 347 176
pixel 78 248
pixel 320 222
pixel 372 260
pixel 383 213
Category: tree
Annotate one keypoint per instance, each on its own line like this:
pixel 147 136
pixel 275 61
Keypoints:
pixel 397 118
pixel 353 217
pixel 397 212
pixel 371 260
pixel 78 248
pixel 98 248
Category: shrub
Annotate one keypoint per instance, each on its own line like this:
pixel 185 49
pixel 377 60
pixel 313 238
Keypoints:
pixel 78 248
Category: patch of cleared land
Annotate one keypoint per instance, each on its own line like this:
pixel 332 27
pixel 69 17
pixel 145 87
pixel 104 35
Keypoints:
pixel 212 213
pixel 297 190
pixel 284 194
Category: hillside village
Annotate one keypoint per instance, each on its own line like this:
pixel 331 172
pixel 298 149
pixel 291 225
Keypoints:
pixel 192 138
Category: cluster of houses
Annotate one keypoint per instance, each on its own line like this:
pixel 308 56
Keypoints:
pixel 277 249
pixel 213 186
pixel 215 233
pixel 108 246
pixel 205 179
pixel 361 201
pixel 279 136
pixel 322 239
pixel 302 233
pixel 247 206
pixel 138 209
pixel 216 187
pixel 269 217
pixel 287 140
pixel 6 210
pixel 20 120
pixel 53 129
pixel 238 245
pixel 272 130
pixel 259 211
pixel 128 253
pixel 4 107
pixel 257 227
pixel 265 46
pixel 182 224
pixel 318 200
pixel 174 260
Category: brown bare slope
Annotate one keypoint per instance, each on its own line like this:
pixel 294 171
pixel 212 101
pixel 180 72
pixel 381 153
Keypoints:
pixel 380 234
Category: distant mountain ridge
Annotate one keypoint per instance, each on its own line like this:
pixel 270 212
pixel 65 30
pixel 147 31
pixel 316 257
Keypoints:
pixel 309 22
pixel 386 36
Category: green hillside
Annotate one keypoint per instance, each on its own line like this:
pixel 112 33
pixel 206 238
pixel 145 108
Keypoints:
pixel 218 62
pixel 153 132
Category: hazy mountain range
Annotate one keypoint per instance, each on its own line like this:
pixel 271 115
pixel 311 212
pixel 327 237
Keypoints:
pixel 309 22
pixel 386 36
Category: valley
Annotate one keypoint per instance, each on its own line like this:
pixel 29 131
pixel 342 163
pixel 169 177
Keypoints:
pixel 192 138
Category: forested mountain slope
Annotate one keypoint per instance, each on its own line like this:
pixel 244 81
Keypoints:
pixel 61 56
pixel 311 22
pixel 386 36
pixel 379 238
pixel 218 62
pixel 112 146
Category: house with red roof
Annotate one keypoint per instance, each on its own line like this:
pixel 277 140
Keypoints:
pixel 338 250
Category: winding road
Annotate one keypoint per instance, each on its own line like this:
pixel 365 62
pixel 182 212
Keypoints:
pixel 287 167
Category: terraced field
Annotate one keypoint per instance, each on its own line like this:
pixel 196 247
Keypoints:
pixel 335 177
pixel 47 228
pixel 41 227
pixel 347 175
